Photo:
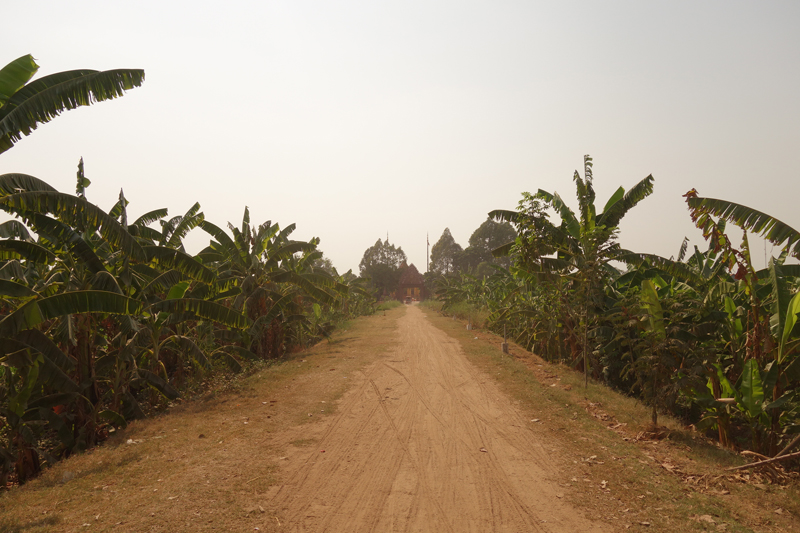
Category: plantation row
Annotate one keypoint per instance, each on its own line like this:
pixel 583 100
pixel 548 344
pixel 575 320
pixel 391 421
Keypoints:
pixel 706 337
pixel 101 319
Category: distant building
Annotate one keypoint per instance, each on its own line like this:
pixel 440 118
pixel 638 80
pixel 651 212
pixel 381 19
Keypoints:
pixel 412 284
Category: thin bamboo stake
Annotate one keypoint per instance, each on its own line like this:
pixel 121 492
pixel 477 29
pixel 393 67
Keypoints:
pixel 585 340
pixel 789 446
pixel 759 463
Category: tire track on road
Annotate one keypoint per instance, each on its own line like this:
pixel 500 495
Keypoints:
pixel 426 443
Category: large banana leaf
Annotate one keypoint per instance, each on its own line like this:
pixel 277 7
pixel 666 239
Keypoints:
pixel 181 261
pixel 40 310
pixel 16 183
pixel 10 289
pixel 15 75
pixel 305 282
pixel 145 234
pixel 780 296
pixel 503 250
pixel 44 99
pixel 266 231
pixel 14 229
pixel 183 225
pixel 235 291
pixel 150 217
pixel 12 269
pixel 57 232
pixel 233 253
pixel 162 282
pixel 18 403
pixel 752 390
pixel 504 215
pixel 202 309
pixel 792 311
pixel 616 197
pixel 612 214
pixel 55 364
pixel 586 197
pixel 210 255
pixel 568 218
pixel 105 281
pixel 655 313
pixel 750 219
pixel 13 249
pixel 286 251
pixel 75 211
pixel 675 269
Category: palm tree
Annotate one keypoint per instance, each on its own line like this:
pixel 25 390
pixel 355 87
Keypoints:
pixel 24 105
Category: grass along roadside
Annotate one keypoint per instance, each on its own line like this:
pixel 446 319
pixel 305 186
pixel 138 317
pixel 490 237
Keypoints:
pixel 611 467
pixel 208 464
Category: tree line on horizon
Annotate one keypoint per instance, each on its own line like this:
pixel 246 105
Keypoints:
pixel 382 264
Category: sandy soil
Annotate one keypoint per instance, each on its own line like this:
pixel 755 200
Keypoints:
pixel 422 442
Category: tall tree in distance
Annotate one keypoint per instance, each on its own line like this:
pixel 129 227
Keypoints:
pixel 381 264
pixel 445 254
pixel 489 236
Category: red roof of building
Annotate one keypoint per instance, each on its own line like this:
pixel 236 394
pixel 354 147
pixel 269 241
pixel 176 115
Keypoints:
pixel 411 276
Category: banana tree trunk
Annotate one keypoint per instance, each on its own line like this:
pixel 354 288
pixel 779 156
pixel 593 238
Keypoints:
pixel 723 419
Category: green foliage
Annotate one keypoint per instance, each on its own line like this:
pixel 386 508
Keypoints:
pixel 24 104
pixel 705 336
pixel 489 236
pixel 102 321
pixel 445 253
pixel 380 266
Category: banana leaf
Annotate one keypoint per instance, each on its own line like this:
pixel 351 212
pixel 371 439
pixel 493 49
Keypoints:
pixel 40 310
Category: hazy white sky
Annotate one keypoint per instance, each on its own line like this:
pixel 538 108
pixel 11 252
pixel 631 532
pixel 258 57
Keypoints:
pixel 354 119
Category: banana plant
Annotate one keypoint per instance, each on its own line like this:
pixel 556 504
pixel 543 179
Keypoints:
pixel 25 104
pixel 273 282
pixel 580 248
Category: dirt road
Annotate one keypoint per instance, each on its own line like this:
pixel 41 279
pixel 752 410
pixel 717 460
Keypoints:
pixel 402 450
pixel 424 442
